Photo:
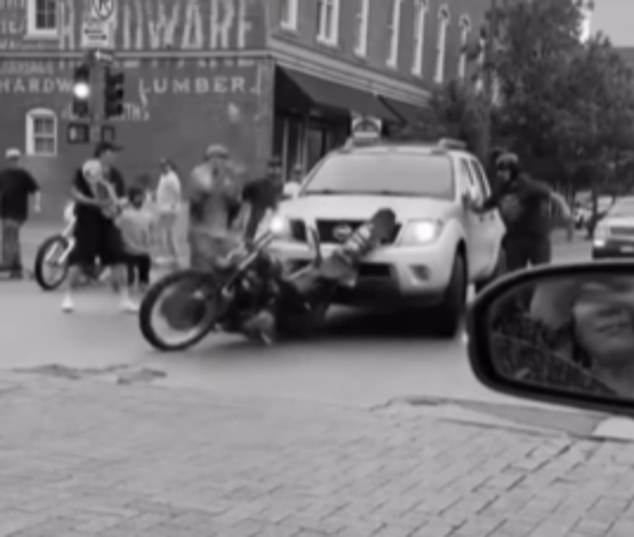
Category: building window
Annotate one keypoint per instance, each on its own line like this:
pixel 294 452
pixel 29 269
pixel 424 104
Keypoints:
pixel 41 132
pixel 328 21
pixel 420 16
pixel 362 21
pixel 441 45
pixel 394 29
pixel 288 15
pixel 42 18
pixel 465 29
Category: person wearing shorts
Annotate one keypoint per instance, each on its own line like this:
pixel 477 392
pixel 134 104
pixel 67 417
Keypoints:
pixel 96 235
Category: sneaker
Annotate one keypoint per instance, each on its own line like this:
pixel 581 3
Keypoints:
pixel 68 306
pixel 129 306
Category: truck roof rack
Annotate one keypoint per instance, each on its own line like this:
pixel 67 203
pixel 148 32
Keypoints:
pixel 452 143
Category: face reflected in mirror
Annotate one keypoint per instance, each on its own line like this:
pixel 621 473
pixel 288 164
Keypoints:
pixel 573 332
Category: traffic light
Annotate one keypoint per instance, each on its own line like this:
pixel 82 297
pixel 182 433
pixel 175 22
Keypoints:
pixel 113 94
pixel 81 91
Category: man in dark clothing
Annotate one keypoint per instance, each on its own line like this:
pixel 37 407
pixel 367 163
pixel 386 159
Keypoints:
pixel 99 192
pixel 16 186
pixel 263 195
pixel 524 206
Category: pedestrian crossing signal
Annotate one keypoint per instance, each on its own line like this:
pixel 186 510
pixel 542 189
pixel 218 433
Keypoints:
pixel 114 93
pixel 78 133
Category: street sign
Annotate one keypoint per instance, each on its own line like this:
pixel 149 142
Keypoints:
pixel 99 24
pixel 103 57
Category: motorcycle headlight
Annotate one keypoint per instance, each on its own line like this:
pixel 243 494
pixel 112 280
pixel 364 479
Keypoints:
pixel 420 232
pixel 280 226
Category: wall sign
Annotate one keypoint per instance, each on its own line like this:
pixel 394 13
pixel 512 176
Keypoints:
pixel 366 128
pixel 99 24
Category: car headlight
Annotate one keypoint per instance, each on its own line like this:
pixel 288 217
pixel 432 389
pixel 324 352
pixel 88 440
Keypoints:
pixel 280 226
pixel 601 234
pixel 421 232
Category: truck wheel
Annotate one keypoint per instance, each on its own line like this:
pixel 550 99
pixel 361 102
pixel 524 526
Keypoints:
pixel 500 270
pixel 448 316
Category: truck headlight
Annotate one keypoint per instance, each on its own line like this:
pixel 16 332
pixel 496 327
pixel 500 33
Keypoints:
pixel 280 226
pixel 419 232
pixel 601 234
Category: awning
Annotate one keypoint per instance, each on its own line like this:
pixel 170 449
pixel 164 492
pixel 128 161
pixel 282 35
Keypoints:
pixel 319 92
pixel 408 112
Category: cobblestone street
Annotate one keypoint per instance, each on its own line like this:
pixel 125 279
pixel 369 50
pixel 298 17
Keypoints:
pixel 91 458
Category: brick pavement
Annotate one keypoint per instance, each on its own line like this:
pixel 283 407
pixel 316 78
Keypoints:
pixel 90 458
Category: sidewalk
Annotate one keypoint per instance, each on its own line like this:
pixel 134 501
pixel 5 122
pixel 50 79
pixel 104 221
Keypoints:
pixel 90 458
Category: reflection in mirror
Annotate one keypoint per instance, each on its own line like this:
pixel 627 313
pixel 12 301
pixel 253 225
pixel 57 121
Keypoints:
pixel 572 333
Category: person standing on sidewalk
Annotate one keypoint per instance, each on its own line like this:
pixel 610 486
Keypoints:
pixel 17 185
pixel 168 204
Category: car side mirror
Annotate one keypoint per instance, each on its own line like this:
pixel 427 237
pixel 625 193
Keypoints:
pixel 560 334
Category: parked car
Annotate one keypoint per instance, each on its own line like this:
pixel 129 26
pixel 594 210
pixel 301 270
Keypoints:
pixel 440 246
pixel 614 234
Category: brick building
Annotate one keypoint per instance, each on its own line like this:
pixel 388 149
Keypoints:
pixel 263 76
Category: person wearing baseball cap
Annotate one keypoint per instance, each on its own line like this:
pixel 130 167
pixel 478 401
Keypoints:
pixel 17 185
pixel 213 197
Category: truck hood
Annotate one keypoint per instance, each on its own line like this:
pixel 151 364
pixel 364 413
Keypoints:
pixel 362 207
pixel 622 221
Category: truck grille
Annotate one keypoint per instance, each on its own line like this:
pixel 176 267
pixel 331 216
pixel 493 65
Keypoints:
pixel 622 230
pixel 327 230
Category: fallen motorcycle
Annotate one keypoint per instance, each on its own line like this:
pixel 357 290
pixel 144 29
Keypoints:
pixel 193 303
pixel 51 258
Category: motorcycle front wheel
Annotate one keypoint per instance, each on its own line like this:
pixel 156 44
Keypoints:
pixel 180 309
pixel 50 268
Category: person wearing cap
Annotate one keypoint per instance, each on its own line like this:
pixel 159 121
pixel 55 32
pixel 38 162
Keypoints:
pixel 260 197
pixel 168 204
pixel 213 195
pixel 592 318
pixel 96 233
pixel 17 185
pixel 524 206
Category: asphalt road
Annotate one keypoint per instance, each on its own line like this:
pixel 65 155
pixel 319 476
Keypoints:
pixel 364 359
